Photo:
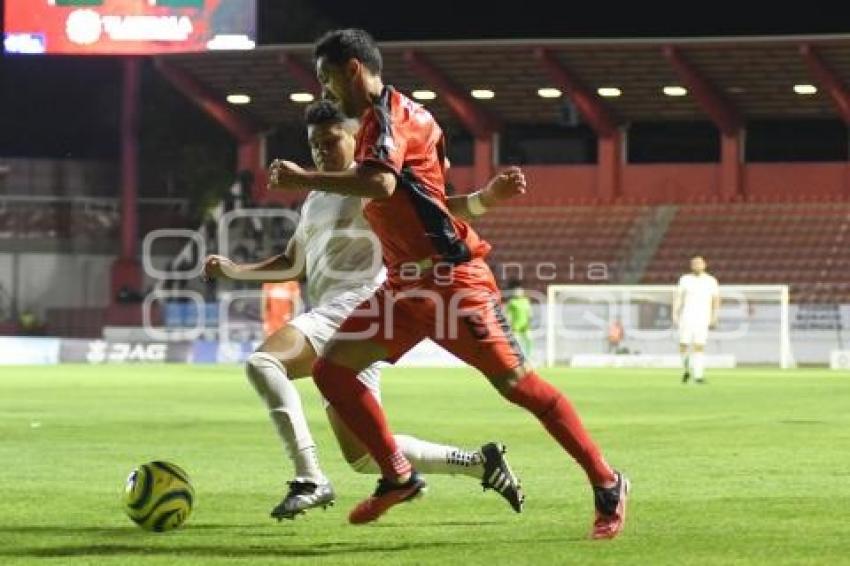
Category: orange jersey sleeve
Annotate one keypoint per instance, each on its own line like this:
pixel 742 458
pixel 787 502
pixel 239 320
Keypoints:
pixel 414 223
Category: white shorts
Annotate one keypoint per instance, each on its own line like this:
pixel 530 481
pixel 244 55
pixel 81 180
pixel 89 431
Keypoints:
pixel 321 323
pixel 690 333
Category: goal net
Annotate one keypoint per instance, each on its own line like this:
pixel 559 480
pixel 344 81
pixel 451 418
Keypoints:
pixel 632 325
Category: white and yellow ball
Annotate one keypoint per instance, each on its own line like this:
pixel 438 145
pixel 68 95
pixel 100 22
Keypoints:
pixel 158 496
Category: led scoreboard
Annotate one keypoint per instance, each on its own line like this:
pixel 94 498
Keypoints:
pixel 128 27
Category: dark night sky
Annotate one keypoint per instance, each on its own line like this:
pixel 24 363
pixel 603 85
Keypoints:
pixel 470 19
pixel 64 106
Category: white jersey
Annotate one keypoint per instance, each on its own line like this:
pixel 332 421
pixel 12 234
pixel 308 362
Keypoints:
pixel 343 256
pixel 698 292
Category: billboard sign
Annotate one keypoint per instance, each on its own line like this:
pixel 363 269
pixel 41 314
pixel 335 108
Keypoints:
pixel 128 27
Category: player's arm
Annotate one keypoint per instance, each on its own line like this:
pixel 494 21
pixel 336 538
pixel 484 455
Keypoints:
pixel 380 157
pixel 221 267
pixel 504 186
pixel 715 308
pixel 677 304
pixel 365 181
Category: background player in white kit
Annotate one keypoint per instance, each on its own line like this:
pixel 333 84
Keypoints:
pixel 336 250
pixel 694 312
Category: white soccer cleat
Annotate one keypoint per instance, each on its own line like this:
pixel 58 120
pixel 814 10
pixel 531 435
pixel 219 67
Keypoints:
pixel 303 495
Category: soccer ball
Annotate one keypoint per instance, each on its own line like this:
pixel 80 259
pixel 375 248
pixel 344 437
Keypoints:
pixel 158 496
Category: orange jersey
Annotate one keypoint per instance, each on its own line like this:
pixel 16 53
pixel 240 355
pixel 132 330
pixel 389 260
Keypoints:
pixel 280 301
pixel 413 224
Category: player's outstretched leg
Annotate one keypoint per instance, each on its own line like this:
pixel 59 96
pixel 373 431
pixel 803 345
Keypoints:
pixel 526 389
pixel 698 363
pixel 686 362
pixel 271 379
pixel 363 415
pixel 488 465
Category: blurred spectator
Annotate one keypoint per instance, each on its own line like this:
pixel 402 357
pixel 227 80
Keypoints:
pixel 281 301
pixel 127 295
pixel 29 325
pixel 518 308
pixel 616 333
pixel 239 194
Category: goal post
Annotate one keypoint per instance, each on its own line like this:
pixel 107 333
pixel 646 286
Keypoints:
pixel 753 327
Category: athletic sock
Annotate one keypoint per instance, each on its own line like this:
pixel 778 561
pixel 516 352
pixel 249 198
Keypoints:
pixel 430 458
pixel 698 363
pixel 268 376
pixel 560 418
pixel 362 414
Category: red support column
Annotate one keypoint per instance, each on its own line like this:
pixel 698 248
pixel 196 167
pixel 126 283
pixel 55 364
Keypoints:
pixel 724 115
pixel 610 158
pixel 475 119
pixel 828 80
pixel 126 270
pixel 250 157
pixel 597 115
pixel 247 132
pixel 239 125
pixel 726 118
pixel 609 166
pixel 731 166
pixel 302 75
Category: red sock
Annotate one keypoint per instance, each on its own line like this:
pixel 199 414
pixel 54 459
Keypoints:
pixel 362 414
pixel 562 421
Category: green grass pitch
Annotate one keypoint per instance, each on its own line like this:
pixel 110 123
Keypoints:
pixel 752 469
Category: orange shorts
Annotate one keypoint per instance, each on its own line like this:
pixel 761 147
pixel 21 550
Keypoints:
pixel 460 311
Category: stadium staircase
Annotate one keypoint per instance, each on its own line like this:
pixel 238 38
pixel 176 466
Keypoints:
pixel 649 234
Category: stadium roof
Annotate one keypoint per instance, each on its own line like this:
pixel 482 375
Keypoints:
pixel 754 76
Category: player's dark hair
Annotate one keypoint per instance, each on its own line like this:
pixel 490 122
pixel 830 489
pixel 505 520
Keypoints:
pixel 340 45
pixel 323 112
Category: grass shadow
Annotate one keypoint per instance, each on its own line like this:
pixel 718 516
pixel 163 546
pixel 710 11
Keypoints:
pixel 214 551
pixel 316 550
pixel 129 529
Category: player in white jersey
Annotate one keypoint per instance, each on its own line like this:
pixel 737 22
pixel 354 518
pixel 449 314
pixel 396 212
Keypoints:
pixel 335 249
pixel 694 312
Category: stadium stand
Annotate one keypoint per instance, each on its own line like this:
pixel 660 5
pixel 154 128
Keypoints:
pixel 803 244
pixel 95 219
pixel 565 241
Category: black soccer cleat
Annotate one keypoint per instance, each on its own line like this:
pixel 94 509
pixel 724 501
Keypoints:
pixel 303 495
pixel 499 476
pixel 610 503
pixel 686 376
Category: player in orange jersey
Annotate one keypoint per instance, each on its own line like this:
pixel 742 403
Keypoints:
pixel 281 301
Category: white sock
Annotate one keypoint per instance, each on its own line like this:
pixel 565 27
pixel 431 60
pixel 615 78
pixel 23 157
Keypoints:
pixel 698 363
pixel 268 376
pixel 686 362
pixel 430 458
